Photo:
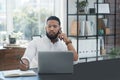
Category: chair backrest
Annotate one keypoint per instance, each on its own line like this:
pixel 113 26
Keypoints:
pixel 36 36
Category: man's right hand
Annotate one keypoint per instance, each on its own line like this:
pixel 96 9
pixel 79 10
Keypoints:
pixel 24 64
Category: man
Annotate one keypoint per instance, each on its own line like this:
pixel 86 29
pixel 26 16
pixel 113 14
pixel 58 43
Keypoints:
pixel 54 40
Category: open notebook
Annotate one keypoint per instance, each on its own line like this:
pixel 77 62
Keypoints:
pixel 13 73
pixel 1 76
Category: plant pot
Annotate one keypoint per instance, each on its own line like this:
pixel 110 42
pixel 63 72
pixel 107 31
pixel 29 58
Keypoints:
pixel 81 11
pixel 12 40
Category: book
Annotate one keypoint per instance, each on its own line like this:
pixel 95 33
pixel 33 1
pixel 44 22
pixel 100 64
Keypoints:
pixel 88 28
pixel 75 28
pixel 82 30
pixel 15 73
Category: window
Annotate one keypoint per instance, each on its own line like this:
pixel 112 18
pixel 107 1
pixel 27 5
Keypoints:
pixel 25 18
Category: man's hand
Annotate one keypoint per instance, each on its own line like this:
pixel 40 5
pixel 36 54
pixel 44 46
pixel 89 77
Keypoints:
pixel 63 37
pixel 24 64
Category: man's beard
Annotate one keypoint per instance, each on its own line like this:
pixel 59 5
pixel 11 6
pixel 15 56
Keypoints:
pixel 52 37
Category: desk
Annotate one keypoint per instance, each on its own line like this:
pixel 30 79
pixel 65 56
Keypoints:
pixel 9 57
pixel 101 70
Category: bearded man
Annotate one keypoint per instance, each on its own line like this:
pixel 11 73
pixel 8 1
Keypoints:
pixel 54 40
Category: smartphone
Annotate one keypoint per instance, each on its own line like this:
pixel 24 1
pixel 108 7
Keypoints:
pixel 60 31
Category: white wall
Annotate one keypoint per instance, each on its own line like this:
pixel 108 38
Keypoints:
pixel 60 11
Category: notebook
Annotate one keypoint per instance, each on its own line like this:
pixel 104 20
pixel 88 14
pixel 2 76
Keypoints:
pixel 55 62
pixel 14 73
pixel 1 76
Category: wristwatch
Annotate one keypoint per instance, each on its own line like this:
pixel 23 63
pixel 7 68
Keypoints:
pixel 68 42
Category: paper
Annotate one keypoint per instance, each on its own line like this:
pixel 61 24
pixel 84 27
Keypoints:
pixel 103 8
pixel 1 76
pixel 13 73
pixel 87 48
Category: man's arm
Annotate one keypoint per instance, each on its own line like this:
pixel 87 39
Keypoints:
pixel 69 45
pixel 71 48
pixel 28 56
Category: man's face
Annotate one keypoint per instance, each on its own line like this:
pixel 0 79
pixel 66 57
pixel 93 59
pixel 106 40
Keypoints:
pixel 52 29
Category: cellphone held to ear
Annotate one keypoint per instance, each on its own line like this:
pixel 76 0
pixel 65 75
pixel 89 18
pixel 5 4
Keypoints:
pixel 60 36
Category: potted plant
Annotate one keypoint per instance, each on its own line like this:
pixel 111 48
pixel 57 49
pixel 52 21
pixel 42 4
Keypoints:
pixel 81 6
pixel 114 53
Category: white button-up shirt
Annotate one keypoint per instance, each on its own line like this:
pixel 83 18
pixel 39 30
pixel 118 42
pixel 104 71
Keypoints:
pixel 42 44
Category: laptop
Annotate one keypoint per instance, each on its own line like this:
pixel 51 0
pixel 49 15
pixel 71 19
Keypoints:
pixel 55 62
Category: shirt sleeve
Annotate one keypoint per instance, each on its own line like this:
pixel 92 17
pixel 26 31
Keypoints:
pixel 30 51
pixel 64 46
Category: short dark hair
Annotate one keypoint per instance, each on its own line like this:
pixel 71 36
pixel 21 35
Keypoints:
pixel 54 18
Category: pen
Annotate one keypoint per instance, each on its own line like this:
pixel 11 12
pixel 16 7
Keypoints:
pixel 22 62
pixel 27 67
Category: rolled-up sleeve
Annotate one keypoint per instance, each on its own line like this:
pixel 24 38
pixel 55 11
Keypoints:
pixel 30 51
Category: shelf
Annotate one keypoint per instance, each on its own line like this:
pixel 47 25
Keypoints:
pixel 109 37
pixel 91 14
pixel 93 35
